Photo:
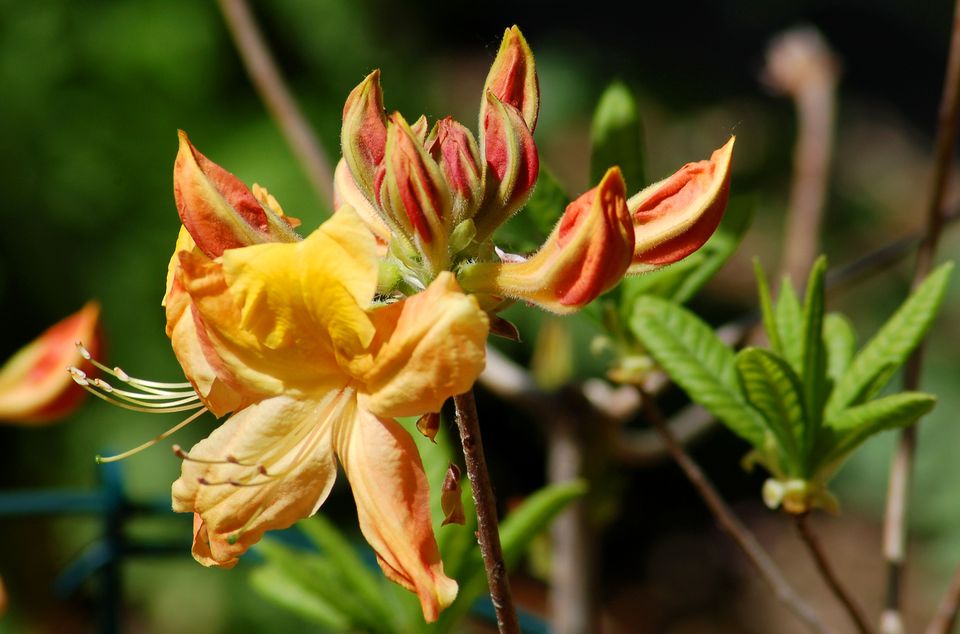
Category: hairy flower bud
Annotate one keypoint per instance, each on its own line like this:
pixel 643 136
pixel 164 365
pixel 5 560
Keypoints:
pixel 587 253
pixel 513 78
pixel 363 136
pixel 511 164
pixel 218 210
pixel 412 193
pixel 675 217
pixel 454 149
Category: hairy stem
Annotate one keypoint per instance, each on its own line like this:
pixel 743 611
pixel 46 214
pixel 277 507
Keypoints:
pixel 487 530
pixel 730 523
pixel 898 492
pixel 273 90
pixel 857 615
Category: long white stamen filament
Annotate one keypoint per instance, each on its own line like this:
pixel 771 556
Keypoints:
pixel 154 387
pixel 153 441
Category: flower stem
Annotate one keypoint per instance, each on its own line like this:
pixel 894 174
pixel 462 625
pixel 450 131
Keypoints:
pixel 830 576
pixel 729 522
pixel 487 530
pixel 901 468
pixel 946 617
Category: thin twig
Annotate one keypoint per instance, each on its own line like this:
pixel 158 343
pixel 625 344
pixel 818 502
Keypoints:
pixel 898 492
pixel 945 618
pixel 730 523
pixel 269 82
pixel 857 615
pixel 487 531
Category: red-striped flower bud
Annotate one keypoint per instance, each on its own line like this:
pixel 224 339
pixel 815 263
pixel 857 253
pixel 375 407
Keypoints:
pixel 675 217
pixel 413 195
pixel 363 136
pixel 218 210
pixel 454 149
pixel 587 253
pixel 513 78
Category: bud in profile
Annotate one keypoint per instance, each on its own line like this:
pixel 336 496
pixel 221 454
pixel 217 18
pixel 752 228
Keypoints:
pixel 675 217
pixel 413 195
pixel 218 210
pixel 454 149
pixel 587 253
pixel 363 137
pixel 513 78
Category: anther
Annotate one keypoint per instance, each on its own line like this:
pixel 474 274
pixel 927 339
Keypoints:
pixel 78 375
pixel 103 385
pixel 120 374
pixel 83 351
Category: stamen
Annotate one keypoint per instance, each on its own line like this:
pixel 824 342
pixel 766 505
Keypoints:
pixel 126 378
pixel 184 405
pixel 152 442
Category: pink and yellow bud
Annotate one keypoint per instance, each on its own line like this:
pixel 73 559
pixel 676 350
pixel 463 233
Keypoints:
pixel 34 384
pixel 511 164
pixel 218 210
pixel 455 150
pixel 513 78
pixel 675 217
pixel 412 193
pixel 586 254
pixel 363 137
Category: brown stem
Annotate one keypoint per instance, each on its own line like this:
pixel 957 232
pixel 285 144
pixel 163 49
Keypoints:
pixel 269 82
pixel 730 523
pixel 898 492
pixel 487 531
pixel 946 617
pixel 857 615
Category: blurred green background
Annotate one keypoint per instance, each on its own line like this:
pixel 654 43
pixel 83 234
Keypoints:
pixel 91 96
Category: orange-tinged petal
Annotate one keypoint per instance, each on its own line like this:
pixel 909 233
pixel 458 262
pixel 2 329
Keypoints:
pixel 266 467
pixel 363 136
pixel 431 348
pixel 218 210
pixel 289 317
pixel 675 217
pixel 455 150
pixel 34 384
pixel 392 494
pixel 513 78
pixel 587 253
pixel 345 192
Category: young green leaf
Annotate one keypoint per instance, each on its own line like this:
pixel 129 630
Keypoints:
pixel 890 347
pixel 847 430
pixel 766 308
pixel 841 342
pixel 774 389
pixel 813 374
pixel 790 324
pixel 698 361
pixel 616 135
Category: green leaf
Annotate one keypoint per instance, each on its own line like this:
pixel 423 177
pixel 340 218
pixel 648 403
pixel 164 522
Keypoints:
pixel 617 136
pixel 766 308
pixel 774 389
pixel 287 593
pixel 527 229
pixel 517 530
pixel 841 343
pixel 813 353
pixel 361 580
pixel 790 324
pixel 698 361
pixel 889 348
pixel 850 428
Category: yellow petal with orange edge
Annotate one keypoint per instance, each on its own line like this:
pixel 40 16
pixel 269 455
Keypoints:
pixel 431 347
pixel 270 465
pixel 34 384
pixel 289 317
pixel 346 192
pixel 393 505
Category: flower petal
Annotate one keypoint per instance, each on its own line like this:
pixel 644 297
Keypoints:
pixel 513 78
pixel 266 467
pixel 346 192
pixel 432 348
pixel 34 384
pixel 289 316
pixel 392 494
pixel 363 136
pixel 675 217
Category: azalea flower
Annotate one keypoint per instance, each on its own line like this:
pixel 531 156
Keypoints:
pixel 33 387
pixel 434 197
pixel 284 335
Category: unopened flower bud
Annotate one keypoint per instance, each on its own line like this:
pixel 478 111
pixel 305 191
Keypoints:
pixel 455 150
pixel 451 498
pixel 218 210
pixel 513 78
pixel 587 253
pixel 363 136
pixel 675 217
